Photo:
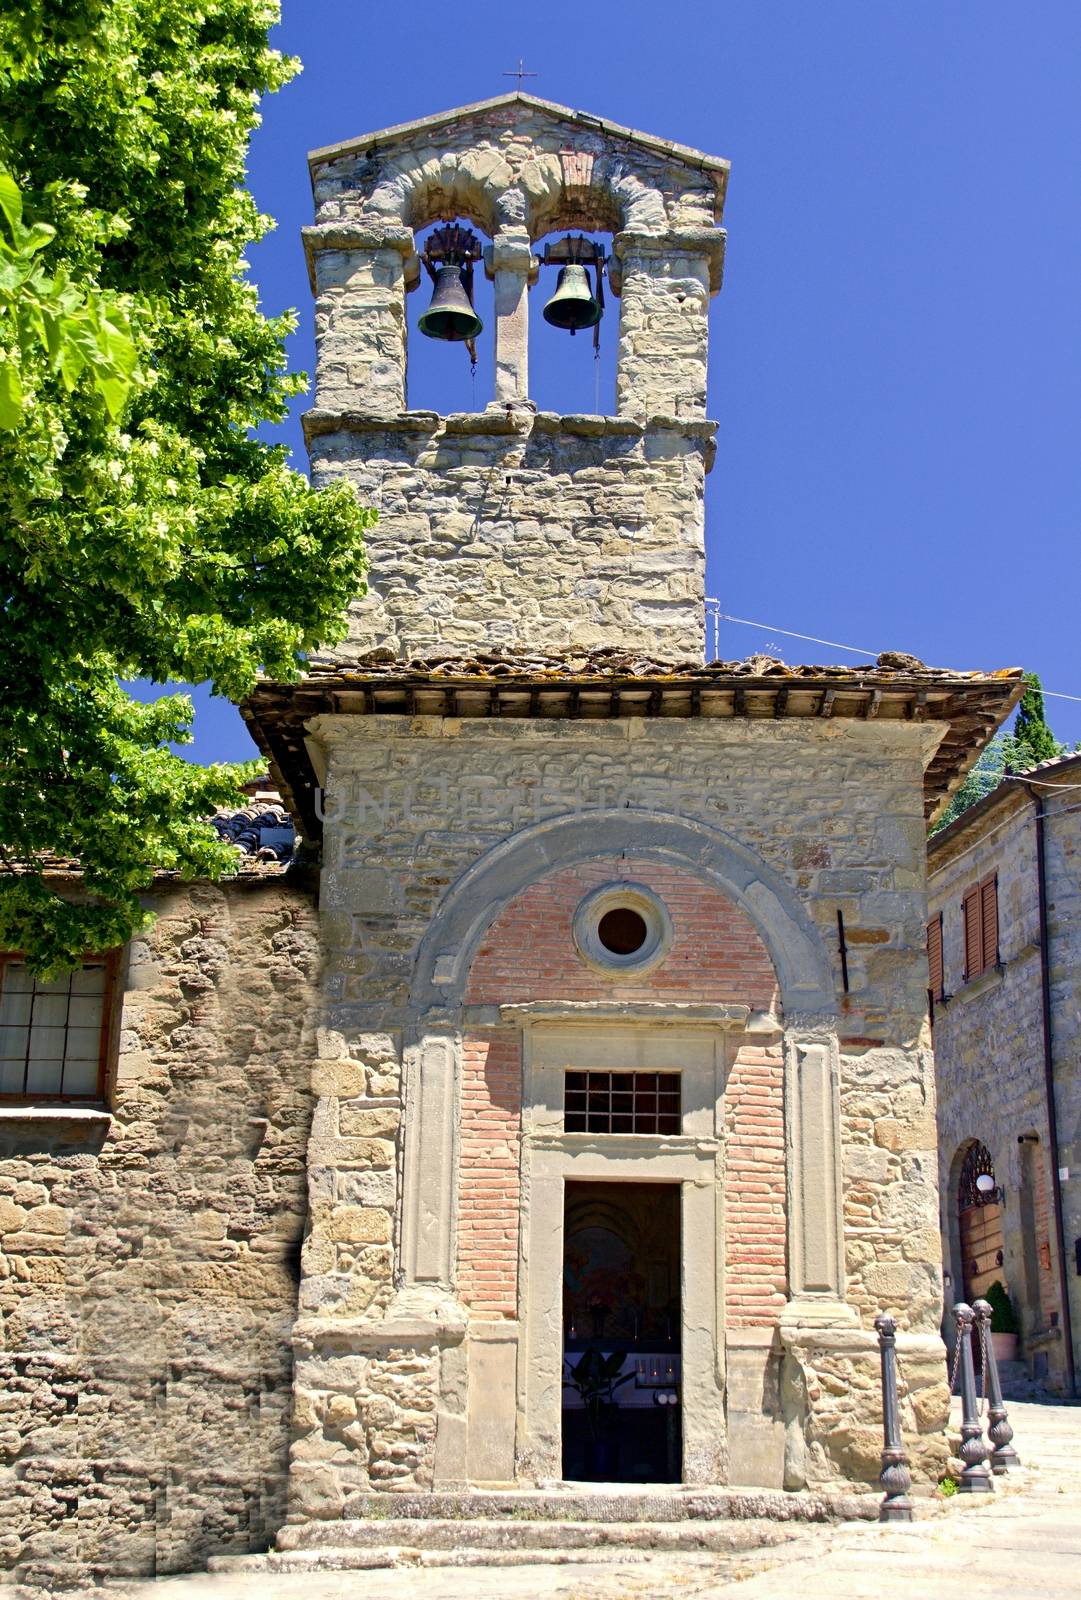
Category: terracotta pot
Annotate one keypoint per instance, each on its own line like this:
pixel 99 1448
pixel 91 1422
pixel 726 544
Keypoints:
pixel 1004 1346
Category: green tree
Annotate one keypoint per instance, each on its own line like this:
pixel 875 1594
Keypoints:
pixel 1031 740
pixel 145 531
pixel 986 775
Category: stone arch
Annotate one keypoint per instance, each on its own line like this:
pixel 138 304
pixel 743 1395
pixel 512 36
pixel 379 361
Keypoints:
pixel 430 185
pixel 472 902
pixel 975 1241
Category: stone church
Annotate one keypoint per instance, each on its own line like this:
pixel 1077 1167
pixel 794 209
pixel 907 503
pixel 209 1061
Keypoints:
pixel 564 1111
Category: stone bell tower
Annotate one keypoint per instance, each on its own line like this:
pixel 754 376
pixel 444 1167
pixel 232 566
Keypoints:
pixel 617 945
pixel 512 528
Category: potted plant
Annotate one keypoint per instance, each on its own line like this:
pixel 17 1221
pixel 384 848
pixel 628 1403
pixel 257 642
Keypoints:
pixel 1004 1324
pixel 596 1377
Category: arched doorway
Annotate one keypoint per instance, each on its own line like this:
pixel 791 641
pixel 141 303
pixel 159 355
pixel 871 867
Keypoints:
pixel 979 1220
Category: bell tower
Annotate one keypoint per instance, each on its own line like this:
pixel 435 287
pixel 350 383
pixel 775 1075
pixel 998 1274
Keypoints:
pixel 511 529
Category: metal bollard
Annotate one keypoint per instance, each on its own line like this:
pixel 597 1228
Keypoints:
pixel 975 1479
pixel 895 1478
pixel 999 1431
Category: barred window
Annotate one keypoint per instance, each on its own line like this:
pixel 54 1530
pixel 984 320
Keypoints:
pixel 622 1102
pixel 54 1036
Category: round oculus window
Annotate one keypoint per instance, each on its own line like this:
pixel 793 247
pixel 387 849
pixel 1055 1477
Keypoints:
pixel 622 928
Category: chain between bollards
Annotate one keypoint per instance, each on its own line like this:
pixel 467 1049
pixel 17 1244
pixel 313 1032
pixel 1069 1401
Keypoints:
pixel 975 1479
pixel 999 1431
pixel 895 1478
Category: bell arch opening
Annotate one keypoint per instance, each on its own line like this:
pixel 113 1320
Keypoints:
pixel 440 373
pixel 573 372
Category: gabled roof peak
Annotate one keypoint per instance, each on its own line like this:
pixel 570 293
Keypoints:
pixel 584 121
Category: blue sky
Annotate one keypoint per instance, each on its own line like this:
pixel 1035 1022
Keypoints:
pixel 896 353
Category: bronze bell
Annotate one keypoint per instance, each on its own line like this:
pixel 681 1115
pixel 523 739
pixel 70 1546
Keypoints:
pixel 573 305
pixel 450 315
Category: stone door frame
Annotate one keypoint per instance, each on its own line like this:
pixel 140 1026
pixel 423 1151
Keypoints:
pixel 694 1159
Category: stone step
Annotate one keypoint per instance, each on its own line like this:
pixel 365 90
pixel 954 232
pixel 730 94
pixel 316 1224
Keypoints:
pixel 350 1560
pixel 511 1533
pixel 603 1503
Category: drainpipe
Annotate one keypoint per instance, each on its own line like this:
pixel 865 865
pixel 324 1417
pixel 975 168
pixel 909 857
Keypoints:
pixel 1049 1085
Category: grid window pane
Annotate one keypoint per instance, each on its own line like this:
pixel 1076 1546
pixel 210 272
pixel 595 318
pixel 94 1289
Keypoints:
pixel 44 1077
pixel 81 1077
pixel 11 1076
pixel 50 1033
pixel 622 1102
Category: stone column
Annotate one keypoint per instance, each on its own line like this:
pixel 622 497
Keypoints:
pixel 666 281
pixel 359 276
pixel 813 1149
pixel 430 1176
pixel 510 263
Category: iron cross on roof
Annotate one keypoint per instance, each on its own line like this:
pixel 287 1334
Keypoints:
pixel 520 72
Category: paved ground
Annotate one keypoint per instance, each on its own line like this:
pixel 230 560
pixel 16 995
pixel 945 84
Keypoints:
pixel 1025 1542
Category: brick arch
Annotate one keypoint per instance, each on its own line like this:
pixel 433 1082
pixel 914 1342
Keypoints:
pixel 528 951
pixel 477 897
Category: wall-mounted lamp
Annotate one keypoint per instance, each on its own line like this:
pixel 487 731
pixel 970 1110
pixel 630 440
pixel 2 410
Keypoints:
pixel 990 1194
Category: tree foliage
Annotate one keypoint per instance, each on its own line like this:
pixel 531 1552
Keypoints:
pixel 1029 742
pixel 144 530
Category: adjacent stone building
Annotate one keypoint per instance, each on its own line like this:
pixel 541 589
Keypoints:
pixel 1005 941
pixel 151 1224
pixel 611 1032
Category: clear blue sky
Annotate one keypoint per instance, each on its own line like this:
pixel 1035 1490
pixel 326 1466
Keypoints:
pixel 896 353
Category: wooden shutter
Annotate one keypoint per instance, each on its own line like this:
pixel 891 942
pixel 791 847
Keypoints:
pixel 970 913
pixel 989 921
pixel 934 957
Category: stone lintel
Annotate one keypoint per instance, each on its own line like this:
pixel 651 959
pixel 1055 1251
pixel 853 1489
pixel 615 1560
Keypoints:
pixel 708 243
pixel 317 1334
pixel 676 1013
pixel 83 1116
pixel 321 236
pixel 503 419
pixel 854 1340
pixel 815 1314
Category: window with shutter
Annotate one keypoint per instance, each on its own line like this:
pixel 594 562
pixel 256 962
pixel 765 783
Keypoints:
pixel 934 957
pixel 979 911
pixel 970 914
pixel 989 919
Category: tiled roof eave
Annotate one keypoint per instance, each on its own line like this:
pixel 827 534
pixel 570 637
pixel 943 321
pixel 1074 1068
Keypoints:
pixel 972 704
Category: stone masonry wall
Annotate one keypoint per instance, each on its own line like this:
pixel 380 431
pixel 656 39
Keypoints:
pixel 989 1044
pixel 526 532
pixel 149 1264
pixel 833 807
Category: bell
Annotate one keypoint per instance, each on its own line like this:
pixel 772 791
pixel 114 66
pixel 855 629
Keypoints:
pixel 572 306
pixel 450 315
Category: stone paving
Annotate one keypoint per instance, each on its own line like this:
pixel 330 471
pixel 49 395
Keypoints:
pixel 1026 1540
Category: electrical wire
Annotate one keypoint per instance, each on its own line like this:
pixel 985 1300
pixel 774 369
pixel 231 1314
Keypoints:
pixel 851 649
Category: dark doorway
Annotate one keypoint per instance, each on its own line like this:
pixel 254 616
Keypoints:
pixel 622 1414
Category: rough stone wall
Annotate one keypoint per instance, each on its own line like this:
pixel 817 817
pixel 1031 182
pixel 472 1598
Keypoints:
pixel 834 808
pixel 149 1263
pixel 526 532
pixel 988 1042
